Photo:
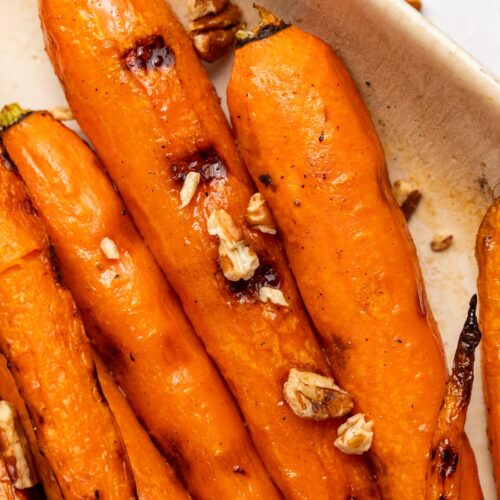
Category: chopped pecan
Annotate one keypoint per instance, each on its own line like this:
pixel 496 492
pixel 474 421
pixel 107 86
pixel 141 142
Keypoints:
pixel 61 113
pixel 189 188
pixel 237 260
pixel 109 249
pixel 314 396
pixel 274 295
pixel 14 449
pixel 211 45
pixel 229 17
pixel 201 8
pixel 259 216
pixel 213 26
pixel 355 436
pixel 407 197
pixel 441 243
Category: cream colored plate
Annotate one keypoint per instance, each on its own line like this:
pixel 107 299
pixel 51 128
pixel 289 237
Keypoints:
pixel 436 109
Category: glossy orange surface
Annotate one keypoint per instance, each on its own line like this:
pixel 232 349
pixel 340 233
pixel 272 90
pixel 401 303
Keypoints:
pixel 42 337
pixel 488 257
pixel 10 393
pixel 300 120
pixel 154 477
pixel 132 316
pixel 137 89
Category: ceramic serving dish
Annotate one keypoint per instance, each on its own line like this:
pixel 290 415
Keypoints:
pixel 436 109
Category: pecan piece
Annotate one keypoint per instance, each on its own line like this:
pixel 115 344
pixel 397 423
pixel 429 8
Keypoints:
pixel 355 436
pixel 315 397
pixel 238 261
pixel 259 216
pixel 14 449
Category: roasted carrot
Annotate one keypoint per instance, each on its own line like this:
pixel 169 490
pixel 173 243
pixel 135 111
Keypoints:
pixel 150 111
pixel 488 258
pixel 311 148
pixel 43 339
pixel 132 315
pixel 154 477
pixel 10 393
pixel 443 479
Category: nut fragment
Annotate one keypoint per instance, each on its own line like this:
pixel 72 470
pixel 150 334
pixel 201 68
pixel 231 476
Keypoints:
pixel 237 260
pixel 355 436
pixel 314 396
pixel 109 249
pixel 407 197
pixel 441 243
pixel 14 449
pixel 189 187
pixel 211 45
pixel 201 8
pixel 274 295
pixel 213 26
pixel 259 216
pixel 61 113
pixel 229 17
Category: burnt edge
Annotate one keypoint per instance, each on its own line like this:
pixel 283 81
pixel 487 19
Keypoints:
pixel 54 264
pixel 248 290
pixel 149 53
pixel 448 460
pixel 206 161
pixel 263 32
pixel 471 334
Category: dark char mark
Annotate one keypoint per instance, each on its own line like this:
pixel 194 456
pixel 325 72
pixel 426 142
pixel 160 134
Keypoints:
pixel 56 269
pixel 448 461
pixel 266 275
pixel 206 162
pixel 149 54
pixel 462 374
pixel 264 32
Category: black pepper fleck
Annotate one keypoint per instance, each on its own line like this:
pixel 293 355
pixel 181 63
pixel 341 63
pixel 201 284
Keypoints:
pixel 265 179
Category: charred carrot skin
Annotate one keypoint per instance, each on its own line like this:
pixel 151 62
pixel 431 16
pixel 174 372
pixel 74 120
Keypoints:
pixel 488 258
pixel 153 476
pixel 302 126
pixel 42 337
pixel 133 317
pixel 443 478
pixel 170 121
pixel 9 392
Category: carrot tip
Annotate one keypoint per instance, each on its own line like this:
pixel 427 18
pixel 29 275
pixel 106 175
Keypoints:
pixel 11 114
pixel 471 334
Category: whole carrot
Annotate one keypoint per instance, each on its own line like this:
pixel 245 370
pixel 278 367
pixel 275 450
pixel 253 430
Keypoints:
pixel 443 478
pixel 132 316
pixel 153 116
pixel 311 148
pixel 43 339
pixel 9 392
pixel 488 258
